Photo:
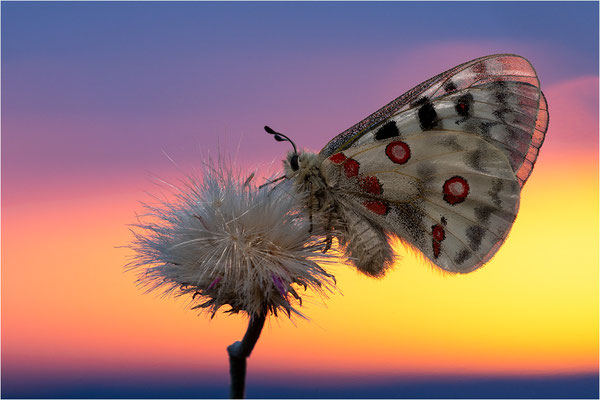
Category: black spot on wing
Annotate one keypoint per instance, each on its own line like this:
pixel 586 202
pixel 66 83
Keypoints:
pixel 494 192
pixel 501 114
pixel 474 159
pixel 387 131
pixel 485 127
pixel 449 86
pixel 500 92
pixel 462 256
pixel 475 234
pixel 464 105
pixel 483 214
pixel 428 118
pixel 501 97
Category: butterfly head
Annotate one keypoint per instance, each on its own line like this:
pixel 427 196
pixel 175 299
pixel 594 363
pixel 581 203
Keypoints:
pixel 299 165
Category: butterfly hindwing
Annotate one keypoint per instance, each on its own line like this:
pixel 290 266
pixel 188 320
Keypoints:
pixel 451 195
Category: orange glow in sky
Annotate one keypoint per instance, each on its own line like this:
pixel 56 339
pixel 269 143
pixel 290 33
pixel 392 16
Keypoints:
pixel 533 309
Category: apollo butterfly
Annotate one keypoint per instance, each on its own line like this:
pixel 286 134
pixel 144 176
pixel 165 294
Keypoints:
pixel 441 167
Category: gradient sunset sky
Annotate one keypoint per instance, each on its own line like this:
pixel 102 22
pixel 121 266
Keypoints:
pixel 101 98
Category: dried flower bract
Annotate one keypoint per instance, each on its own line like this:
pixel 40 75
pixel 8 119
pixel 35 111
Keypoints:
pixel 225 241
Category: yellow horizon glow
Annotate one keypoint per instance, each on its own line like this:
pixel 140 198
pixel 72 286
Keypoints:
pixel 533 309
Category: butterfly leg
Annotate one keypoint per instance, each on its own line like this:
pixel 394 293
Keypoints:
pixel 310 208
pixel 329 239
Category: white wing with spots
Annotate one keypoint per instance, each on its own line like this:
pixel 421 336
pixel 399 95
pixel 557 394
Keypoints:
pixel 451 195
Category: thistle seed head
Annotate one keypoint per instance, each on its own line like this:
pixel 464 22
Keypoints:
pixel 225 241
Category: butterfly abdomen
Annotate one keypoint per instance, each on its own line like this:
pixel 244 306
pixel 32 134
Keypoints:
pixel 366 245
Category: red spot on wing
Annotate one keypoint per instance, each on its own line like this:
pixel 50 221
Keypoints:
pixel 438 234
pixel 370 184
pixel 378 207
pixel 338 158
pixel 351 168
pixel 455 190
pixel 398 152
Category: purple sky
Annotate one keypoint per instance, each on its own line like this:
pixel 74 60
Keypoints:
pixel 97 90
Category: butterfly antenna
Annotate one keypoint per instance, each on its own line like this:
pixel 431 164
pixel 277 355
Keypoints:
pixel 280 137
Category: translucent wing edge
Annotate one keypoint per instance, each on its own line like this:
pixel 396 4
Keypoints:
pixel 538 137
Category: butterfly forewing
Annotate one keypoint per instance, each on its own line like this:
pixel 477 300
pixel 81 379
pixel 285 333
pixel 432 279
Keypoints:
pixel 495 97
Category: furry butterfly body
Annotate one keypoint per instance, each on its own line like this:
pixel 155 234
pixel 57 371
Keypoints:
pixel 441 167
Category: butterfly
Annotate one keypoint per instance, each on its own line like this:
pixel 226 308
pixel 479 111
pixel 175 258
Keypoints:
pixel 441 168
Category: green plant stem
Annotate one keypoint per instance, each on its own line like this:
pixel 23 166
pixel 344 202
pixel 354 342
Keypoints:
pixel 239 351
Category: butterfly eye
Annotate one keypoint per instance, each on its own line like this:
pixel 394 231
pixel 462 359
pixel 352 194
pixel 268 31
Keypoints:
pixel 294 162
